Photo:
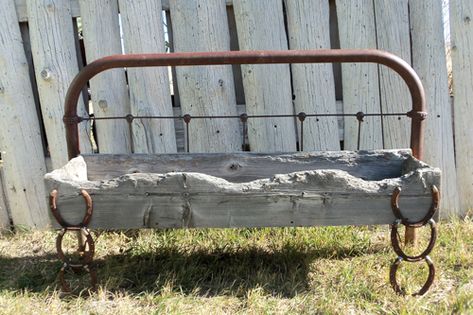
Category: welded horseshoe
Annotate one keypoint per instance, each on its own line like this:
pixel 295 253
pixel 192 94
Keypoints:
pixel 65 286
pixel 397 247
pixel 433 208
pixel 425 287
pixel 88 210
pixel 88 254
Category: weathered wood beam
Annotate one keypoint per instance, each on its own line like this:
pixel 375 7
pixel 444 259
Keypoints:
pixel 187 199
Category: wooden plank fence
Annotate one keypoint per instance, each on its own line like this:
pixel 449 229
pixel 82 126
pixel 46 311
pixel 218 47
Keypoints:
pixel 32 133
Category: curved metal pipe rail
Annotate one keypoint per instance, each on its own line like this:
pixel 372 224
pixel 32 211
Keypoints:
pixel 417 114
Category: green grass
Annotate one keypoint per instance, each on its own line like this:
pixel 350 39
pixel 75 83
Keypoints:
pixel 241 271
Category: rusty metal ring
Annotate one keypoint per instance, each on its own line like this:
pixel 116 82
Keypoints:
pixel 65 286
pixel 397 246
pixel 88 210
pixel 433 208
pixel 88 255
pixel 425 287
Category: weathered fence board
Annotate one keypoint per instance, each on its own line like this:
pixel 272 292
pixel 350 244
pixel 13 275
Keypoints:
pixel 260 26
pixel 25 35
pixel 4 217
pixel 108 90
pixel 21 8
pixel 428 59
pixel 23 15
pixel 392 33
pixel 20 140
pixel 313 84
pixel 56 65
pixel 142 24
pixel 204 90
pixel 461 14
pixel 360 81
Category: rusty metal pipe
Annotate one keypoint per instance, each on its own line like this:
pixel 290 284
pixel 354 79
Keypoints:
pixel 249 57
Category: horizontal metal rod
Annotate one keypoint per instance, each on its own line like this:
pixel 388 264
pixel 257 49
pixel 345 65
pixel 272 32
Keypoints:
pixel 127 117
pixel 248 57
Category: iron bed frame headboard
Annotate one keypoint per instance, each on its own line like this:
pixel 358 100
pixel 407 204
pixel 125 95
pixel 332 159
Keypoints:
pixel 417 114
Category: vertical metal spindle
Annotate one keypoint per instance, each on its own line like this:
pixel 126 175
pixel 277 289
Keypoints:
pixel 382 130
pixel 359 117
pixel 244 121
pixel 302 116
pixel 187 120
pixel 129 118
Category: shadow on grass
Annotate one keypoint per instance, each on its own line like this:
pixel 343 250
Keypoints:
pixel 280 273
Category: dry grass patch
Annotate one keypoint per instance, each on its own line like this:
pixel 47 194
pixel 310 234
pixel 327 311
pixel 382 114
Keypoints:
pixel 240 271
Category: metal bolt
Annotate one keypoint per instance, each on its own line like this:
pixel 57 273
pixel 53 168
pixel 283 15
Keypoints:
pixel 302 116
pixel 244 117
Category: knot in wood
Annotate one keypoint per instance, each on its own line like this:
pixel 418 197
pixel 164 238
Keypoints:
pixel 46 74
pixel 103 104
pixel 234 166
